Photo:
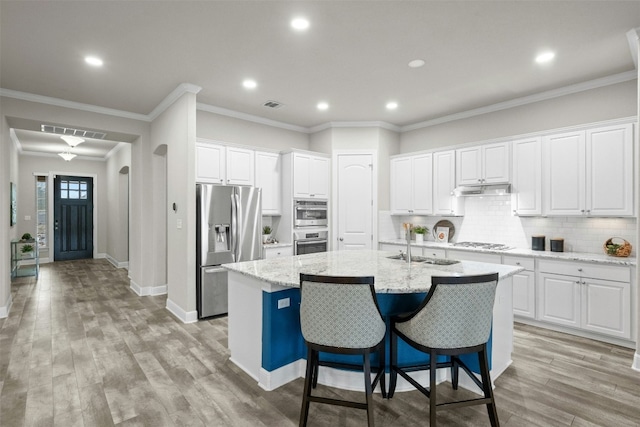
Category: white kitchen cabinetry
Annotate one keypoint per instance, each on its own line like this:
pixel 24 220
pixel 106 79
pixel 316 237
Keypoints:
pixel 589 172
pixel 412 185
pixel 526 184
pixel 276 252
pixel 240 166
pixel 524 286
pixel 483 164
pixel 434 253
pixel 310 176
pixel 444 182
pixel 589 296
pixel 474 256
pixel 268 177
pixel 210 163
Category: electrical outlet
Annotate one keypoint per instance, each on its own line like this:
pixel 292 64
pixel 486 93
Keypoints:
pixel 179 224
pixel 284 303
pixel 27 217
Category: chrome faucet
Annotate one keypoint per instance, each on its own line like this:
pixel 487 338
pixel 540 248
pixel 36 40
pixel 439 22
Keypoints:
pixel 408 234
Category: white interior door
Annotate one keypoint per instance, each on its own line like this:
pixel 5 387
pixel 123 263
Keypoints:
pixel 355 201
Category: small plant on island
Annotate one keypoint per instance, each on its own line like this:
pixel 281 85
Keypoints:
pixel 266 230
pixel 26 236
pixel 419 229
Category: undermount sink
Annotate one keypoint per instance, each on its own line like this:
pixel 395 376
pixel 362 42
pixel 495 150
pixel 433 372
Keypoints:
pixel 426 260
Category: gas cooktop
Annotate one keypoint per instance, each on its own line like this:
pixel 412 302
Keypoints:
pixel 483 245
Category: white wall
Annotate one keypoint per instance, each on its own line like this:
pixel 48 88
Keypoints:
pixel 117 184
pixel 605 103
pixel 236 131
pixel 176 128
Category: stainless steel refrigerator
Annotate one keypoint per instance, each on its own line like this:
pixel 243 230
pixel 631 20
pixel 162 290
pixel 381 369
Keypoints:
pixel 228 229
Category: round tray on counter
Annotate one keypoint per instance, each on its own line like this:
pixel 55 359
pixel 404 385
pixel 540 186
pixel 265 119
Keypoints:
pixel 444 223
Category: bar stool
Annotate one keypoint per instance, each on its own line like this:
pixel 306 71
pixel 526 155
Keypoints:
pixel 340 315
pixel 454 319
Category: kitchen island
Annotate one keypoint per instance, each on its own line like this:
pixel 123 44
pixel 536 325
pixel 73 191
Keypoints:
pixel 264 296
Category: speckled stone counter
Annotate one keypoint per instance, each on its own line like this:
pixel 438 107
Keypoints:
pixel 562 256
pixel 391 276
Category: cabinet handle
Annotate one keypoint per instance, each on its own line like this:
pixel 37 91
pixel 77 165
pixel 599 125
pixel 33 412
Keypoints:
pixel 582 210
pixel 578 282
pixel 579 269
pixel 517 263
pixel 479 180
pixel 588 211
pixel 312 195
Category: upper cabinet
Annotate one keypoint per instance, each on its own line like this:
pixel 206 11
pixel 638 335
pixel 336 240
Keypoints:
pixel 210 163
pixel 483 164
pixel 268 177
pixel 412 185
pixel 227 165
pixel 310 176
pixel 444 182
pixel 526 185
pixel 589 172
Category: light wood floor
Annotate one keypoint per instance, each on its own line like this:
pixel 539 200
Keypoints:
pixel 80 348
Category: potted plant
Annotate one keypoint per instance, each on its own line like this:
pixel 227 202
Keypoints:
pixel 27 251
pixel 266 234
pixel 420 232
pixel 26 237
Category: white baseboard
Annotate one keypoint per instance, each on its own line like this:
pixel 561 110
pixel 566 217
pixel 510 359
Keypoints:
pixel 99 255
pixel 636 362
pixel 5 309
pixel 147 290
pixel 271 380
pixel 185 316
pixel 116 263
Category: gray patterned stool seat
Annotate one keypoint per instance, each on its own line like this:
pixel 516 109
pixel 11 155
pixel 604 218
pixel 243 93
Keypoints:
pixel 340 315
pixel 454 319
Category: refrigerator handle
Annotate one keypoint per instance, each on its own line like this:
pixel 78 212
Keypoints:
pixel 234 226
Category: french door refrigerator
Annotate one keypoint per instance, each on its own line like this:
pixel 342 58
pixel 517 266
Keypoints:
pixel 228 229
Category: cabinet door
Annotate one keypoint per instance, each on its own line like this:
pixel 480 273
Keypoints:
pixel 606 307
pixel 240 166
pixel 469 166
pixel 609 171
pixel 444 174
pixel 268 178
pixel 277 252
pixel 526 196
pixel 495 163
pixel 422 184
pixel 210 163
pixel 301 170
pixel 401 185
pixel 524 294
pixel 319 178
pixel 564 178
pixel 559 299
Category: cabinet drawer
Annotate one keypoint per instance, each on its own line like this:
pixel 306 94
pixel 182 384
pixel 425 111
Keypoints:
pixel 278 252
pixel 516 261
pixel 596 271
pixel 474 256
pixel 434 253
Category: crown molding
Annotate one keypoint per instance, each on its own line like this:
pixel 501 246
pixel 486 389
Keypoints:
pixel 358 124
pixel 24 96
pixel 542 96
pixel 634 44
pixel 171 98
pixel 249 117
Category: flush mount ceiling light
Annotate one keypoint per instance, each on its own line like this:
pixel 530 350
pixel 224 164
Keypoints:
pixel 93 61
pixel 71 140
pixel 416 63
pixel 66 155
pixel 392 105
pixel 249 84
pixel 323 106
pixel 545 57
pixel 299 24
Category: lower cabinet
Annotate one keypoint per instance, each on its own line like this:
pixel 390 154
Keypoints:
pixel 277 251
pixel 524 286
pixel 594 298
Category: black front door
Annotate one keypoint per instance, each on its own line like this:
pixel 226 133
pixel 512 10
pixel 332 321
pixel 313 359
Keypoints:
pixel 73 217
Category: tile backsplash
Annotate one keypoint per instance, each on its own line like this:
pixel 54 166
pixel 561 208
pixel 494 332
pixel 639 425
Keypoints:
pixel 489 219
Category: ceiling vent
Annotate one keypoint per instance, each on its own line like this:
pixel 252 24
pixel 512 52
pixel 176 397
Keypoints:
pixel 272 104
pixel 60 130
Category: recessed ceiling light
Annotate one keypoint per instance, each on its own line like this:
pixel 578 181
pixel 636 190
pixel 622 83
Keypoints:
pixel 299 24
pixel 416 63
pixel 323 106
pixel 249 84
pixel 93 60
pixel 545 57
pixel 392 105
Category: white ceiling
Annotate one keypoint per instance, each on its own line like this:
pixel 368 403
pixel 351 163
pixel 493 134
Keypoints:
pixel 354 55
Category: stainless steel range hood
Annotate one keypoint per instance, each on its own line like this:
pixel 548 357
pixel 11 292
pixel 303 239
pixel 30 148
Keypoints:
pixel 482 190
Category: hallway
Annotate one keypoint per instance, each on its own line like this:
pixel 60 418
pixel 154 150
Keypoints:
pixel 80 348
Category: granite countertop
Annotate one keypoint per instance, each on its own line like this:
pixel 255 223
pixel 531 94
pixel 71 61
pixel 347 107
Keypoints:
pixel 391 276
pixel 276 245
pixel 601 258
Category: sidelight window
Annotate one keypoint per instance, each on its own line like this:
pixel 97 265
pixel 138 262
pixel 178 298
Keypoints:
pixel 41 211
